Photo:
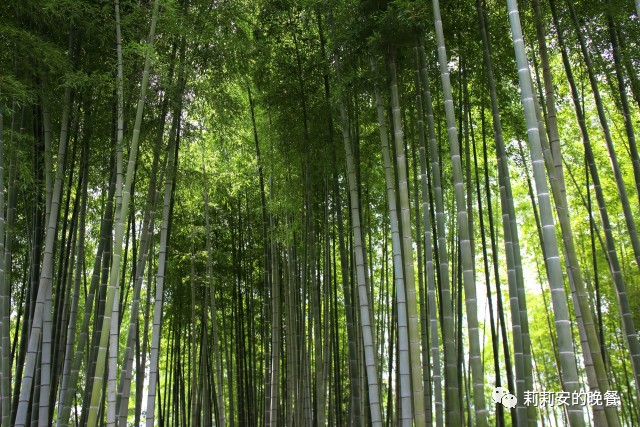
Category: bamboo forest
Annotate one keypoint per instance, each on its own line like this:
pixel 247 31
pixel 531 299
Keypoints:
pixel 319 213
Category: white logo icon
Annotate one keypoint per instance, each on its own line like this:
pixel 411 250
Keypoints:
pixel 502 395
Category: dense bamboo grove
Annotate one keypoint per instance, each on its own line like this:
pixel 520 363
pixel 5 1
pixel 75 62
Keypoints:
pixel 343 213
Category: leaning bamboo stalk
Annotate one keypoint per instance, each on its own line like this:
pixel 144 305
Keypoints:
pixel 124 386
pixel 114 274
pixel 355 411
pixel 114 332
pixel 452 402
pixel 510 231
pixel 77 275
pixel 612 255
pixel 630 331
pixel 563 326
pixel 594 363
pixel 68 392
pixel 46 276
pixel 148 221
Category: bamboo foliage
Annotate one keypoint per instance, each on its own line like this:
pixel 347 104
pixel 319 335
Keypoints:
pixel 632 336
pixel 214 300
pixel 612 254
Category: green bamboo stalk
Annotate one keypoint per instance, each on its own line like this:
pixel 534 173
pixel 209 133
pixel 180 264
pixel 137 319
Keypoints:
pixel 510 232
pixel 214 312
pixel 366 321
pixel 477 370
pixel 162 265
pixel 452 403
pixel 431 310
pixel 401 304
pixel 612 255
pixel 46 276
pixel 407 252
pixel 5 299
pixel 594 363
pixel 563 326
pixel 114 274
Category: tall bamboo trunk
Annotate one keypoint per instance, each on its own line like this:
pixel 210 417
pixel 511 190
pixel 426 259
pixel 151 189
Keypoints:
pixel 5 300
pixel 452 402
pixel 404 364
pixel 114 274
pixel 162 265
pixel 366 322
pixel 514 272
pixel 148 221
pixel 477 370
pixel 596 372
pixel 218 385
pixel 487 271
pixel 550 243
pixel 431 328
pixel 407 252
pixel 274 406
pixel 46 276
